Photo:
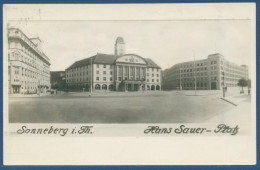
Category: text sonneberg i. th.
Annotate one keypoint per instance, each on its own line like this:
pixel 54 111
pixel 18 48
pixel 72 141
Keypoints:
pixel 56 131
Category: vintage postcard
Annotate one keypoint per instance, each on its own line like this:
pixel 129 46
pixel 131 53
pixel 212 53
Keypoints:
pixel 129 84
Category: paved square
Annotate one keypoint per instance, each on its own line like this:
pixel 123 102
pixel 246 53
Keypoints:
pixel 117 107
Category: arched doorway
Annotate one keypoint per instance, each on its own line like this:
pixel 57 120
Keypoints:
pixel 148 87
pixel 111 87
pixel 143 87
pixel 97 87
pixel 104 87
pixel 157 87
pixel 152 87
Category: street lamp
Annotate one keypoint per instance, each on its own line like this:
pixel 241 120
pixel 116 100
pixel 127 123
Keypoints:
pixel 223 84
pixel 91 70
pixel 180 79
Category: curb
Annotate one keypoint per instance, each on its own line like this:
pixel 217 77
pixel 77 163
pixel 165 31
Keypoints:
pixel 228 101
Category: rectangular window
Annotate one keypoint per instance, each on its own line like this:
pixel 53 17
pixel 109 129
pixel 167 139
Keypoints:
pixel 152 75
pixel 111 79
pixel 157 80
pixel 104 66
pixel 97 78
pixel 152 80
pixel 157 75
pixel 97 72
pixel 104 72
pixel 110 72
pixel 147 80
pixel 104 79
pixel 147 74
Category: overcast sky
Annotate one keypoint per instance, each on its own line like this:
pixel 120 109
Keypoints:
pixel 165 42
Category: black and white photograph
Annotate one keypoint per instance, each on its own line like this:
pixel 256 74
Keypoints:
pixel 129 71
pixel 121 76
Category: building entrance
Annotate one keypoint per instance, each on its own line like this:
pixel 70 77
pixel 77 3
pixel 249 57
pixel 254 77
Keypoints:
pixel 213 86
pixel 16 89
pixel 132 87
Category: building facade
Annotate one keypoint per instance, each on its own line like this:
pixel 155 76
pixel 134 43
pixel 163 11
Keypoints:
pixel 118 72
pixel 28 66
pixel 212 73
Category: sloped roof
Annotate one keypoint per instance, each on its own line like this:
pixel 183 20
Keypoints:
pixel 151 63
pixel 100 58
pixel 104 59
pixel 80 63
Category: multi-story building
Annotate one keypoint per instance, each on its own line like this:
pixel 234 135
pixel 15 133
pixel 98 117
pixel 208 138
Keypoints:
pixel 118 72
pixel 28 66
pixel 212 73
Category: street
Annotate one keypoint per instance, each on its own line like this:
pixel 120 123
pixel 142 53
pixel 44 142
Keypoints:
pixel 119 107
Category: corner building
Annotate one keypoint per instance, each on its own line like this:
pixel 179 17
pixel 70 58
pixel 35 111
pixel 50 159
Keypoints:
pixel 118 72
pixel 28 66
pixel 212 73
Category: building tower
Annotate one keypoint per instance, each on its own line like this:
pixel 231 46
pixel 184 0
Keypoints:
pixel 119 46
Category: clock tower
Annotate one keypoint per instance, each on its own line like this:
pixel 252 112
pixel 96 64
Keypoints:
pixel 119 46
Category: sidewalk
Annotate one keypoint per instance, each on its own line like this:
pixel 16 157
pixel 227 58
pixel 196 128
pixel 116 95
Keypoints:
pixel 241 113
pixel 28 95
pixel 201 92
pixel 114 93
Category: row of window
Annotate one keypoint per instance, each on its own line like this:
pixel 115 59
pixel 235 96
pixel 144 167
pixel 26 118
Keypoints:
pixel 77 74
pixel 104 72
pixel 27 73
pixel 131 78
pixel 104 79
pixel 17 57
pixel 28 84
pixel 157 80
pixel 199 84
pixel 104 66
pixel 198 78
pixel 152 75
pixel 198 64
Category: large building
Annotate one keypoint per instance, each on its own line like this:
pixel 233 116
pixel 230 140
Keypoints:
pixel 212 73
pixel 28 66
pixel 118 72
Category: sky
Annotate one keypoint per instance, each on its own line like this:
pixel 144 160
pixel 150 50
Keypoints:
pixel 165 42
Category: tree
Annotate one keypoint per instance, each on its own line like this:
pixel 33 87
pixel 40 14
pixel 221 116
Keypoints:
pixel 242 83
pixel 249 84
